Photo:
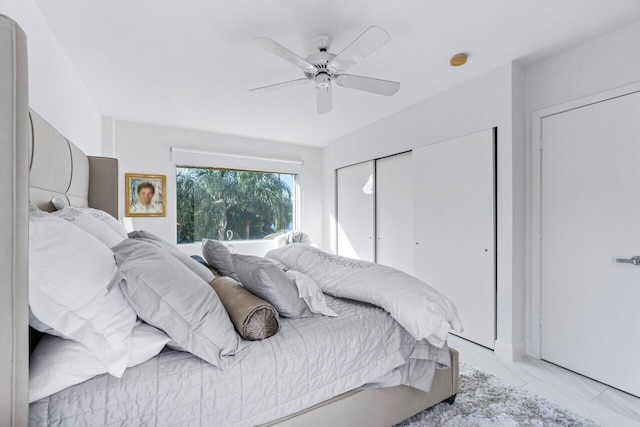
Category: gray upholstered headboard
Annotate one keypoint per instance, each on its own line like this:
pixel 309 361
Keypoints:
pixel 58 168
pixel 14 225
pixel 28 143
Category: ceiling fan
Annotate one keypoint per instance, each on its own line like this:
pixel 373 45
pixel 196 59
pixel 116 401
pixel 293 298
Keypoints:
pixel 324 67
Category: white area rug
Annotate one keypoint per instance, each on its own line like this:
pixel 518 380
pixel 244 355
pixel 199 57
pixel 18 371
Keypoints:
pixel 484 400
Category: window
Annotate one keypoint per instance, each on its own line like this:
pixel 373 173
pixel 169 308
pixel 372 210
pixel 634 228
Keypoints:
pixel 232 204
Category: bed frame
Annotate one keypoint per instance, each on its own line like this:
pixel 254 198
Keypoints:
pixel 37 163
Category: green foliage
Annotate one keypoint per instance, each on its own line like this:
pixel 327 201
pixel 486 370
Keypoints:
pixel 213 201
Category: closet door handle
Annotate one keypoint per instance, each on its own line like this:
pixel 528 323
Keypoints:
pixel 635 260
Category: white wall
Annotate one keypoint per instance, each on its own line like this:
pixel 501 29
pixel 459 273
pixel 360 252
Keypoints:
pixel 55 89
pixel 605 63
pixel 143 148
pixel 490 100
pixel 505 98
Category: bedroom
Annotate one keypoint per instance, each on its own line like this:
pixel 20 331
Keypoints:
pixel 580 54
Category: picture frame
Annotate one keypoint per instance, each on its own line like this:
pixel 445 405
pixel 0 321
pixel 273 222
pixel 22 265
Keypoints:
pixel 145 195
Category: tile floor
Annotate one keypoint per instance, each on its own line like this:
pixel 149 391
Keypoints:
pixel 590 399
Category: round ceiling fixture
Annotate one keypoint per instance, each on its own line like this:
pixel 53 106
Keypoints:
pixel 458 59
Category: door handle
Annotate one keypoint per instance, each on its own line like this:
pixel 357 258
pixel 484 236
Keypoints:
pixel 635 260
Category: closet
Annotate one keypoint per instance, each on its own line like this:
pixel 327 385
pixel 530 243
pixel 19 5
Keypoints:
pixel 374 207
pixel 356 209
pixel 394 212
pixel 455 244
pixel 430 212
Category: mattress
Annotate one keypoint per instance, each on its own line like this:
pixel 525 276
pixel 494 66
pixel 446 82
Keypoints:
pixel 309 361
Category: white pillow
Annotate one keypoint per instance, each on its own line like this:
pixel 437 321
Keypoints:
pixel 168 295
pixel 113 223
pixel 60 203
pixel 310 293
pixel 91 224
pixel 293 237
pixel 74 289
pixel 56 363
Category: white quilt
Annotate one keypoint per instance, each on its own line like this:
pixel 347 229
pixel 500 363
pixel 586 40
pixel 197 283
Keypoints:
pixel 421 310
pixel 309 361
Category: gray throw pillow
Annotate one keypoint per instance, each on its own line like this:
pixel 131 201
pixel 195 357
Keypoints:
pixel 264 278
pixel 193 265
pixel 168 295
pixel 218 256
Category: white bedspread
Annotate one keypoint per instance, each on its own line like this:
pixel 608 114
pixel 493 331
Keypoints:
pixel 423 311
pixel 309 361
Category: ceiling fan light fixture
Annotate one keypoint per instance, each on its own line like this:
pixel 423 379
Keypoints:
pixel 458 59
pixel 323 80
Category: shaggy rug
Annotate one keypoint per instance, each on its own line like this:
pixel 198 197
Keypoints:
pixel 484 400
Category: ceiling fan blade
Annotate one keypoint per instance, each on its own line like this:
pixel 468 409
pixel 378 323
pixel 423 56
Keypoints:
pixel 367 43
pixel 284 53
pixel 290 83
pixel 369 84
pixel 323 96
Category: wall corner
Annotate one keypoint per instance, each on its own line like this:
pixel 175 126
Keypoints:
pixel 108 136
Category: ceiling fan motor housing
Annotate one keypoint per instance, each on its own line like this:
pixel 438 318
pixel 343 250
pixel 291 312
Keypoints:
pixel 320 61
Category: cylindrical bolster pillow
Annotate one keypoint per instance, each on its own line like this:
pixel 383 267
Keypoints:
pixel 254 318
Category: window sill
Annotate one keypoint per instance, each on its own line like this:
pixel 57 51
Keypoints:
pixel 247 247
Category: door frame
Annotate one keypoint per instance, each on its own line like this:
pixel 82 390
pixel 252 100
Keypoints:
pixel 534 308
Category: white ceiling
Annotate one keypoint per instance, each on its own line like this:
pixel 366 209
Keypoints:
pixel 191 64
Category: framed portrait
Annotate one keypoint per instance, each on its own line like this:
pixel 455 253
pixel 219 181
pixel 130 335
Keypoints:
pixel 145 195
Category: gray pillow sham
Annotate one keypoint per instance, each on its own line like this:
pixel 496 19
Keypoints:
pixel 168 295
pixel 193 265
pixel 254 318
pixel 218 256
pixel 268 281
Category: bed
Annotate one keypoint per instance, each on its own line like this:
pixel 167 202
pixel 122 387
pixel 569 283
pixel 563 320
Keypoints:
pixel 316 371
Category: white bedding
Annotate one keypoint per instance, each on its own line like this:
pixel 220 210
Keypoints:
pixel 423 311
pixel 309 361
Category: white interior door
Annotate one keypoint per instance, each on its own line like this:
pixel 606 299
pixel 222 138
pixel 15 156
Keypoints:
pixel 590 214
pixel 394 212
pixel 355 211
pixel 454 225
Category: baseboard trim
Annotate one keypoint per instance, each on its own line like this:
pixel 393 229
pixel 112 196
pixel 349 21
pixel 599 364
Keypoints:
pixel 533 350
pixel 508 351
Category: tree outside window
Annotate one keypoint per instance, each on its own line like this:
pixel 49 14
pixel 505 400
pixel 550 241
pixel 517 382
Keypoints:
pixel 252 205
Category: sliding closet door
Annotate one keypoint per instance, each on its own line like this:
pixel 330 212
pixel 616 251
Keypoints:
pixel 454 225
pixel 355 211
pixel 394 212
